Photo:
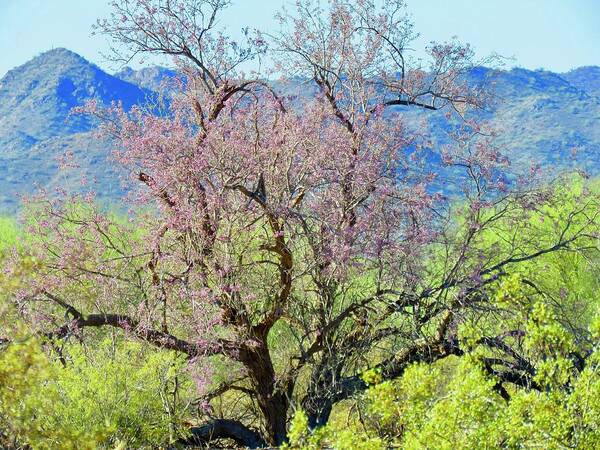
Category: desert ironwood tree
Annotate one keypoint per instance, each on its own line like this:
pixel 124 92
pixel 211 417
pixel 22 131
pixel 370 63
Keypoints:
pixel 287 243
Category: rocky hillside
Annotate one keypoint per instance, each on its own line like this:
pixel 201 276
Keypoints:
pixel 36 128
pixel 541 116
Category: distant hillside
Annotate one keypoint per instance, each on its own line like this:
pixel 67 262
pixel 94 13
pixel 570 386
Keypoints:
pixel 35 98
pixel 585 78
pixel 153 78
pixel 541 118
pixel 546 117
pixel 36 128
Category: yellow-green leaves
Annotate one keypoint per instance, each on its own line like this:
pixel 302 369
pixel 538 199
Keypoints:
pixel 551 343
pixel 114 393
pixel 31 402
pixel 453 405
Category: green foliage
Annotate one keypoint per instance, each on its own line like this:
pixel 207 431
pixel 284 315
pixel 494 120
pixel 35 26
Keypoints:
pixel 108 393
pixel 298 434
pixel 30 402
pixel 427 408
pixel 341 438
pixel 116 394
pixel 111 393
pixel 135 391
pixel 567 282
pixel 550 341
pixel 557 418
pixel 8 233
pixel 455 404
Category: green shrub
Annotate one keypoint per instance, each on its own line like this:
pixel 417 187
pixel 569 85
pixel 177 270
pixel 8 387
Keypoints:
pixel 116 394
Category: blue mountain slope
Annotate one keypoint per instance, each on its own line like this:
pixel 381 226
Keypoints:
pixel 586 79
pixel 542 118
pixel 36 128
pixel 154 78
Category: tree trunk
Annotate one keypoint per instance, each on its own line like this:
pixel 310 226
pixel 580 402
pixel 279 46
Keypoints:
pixel 322 391
pixel 224 429
pixel 272 400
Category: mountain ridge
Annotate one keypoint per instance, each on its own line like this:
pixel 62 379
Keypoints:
pixel 546 116
pixel 37 127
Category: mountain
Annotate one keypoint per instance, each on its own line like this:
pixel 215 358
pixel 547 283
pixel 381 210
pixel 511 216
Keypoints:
pixel 35 98
pixel 586 79
pixel 36 128
pixel 545 117
pixel 154 78
pixel 541 117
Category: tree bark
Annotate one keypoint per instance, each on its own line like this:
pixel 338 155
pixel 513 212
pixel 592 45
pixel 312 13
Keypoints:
pixel 272 400
pixel 224 429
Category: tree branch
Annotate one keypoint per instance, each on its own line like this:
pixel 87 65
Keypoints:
pixel 224 429
pixel 157 338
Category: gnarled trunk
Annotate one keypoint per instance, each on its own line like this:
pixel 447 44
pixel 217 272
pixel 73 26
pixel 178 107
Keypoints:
pixel 224 429
pixel 272 400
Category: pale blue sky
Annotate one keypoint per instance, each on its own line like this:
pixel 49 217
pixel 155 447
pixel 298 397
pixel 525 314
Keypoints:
pixel 554 34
